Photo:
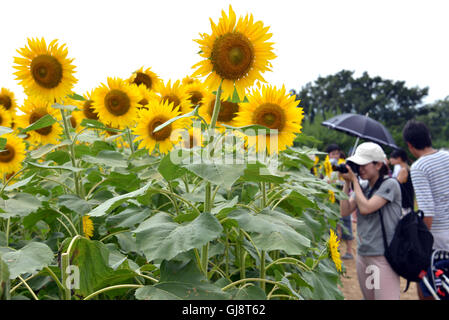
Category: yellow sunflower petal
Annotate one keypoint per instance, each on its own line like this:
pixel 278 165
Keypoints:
pixel 45 71
pixel 235 52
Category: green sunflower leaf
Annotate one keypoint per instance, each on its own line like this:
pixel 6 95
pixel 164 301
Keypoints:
pixel 33 257
pixel 192 113
pixel 2 143
pixel 5 130
pixel 94 124
pixel 64 107
pixel 181 281
pixel 4 281
pixel 273 230
pixel 113 203
pixel 75 96
pixel 159 237
pixel 249 130
pixel 43 122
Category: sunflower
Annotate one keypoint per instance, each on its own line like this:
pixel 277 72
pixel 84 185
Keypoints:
pixel 5 117
pixel 190 80
pixel 197 93
pixel 235 52
pixel 145 78
pixel 116 103
pixel 86 107
pixel 276 110
pixel 33 109
pixel 7 100
pixel 227 114
pixel 327 167
pixel 12 155
pixel 331 196
pixel 157 114
pixel 75 120
pixel 175 94
pixel 45 71
pixel 146 96
pixel 88 227
pixel 333 250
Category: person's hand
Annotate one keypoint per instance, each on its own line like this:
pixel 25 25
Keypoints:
pixel 350 176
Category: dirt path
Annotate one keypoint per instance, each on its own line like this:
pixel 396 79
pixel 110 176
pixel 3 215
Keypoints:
pixel 351 288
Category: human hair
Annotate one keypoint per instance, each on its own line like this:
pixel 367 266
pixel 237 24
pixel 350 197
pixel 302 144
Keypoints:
pixel 332 147
pixel 383 170
pixel 417 134
pixel 399 153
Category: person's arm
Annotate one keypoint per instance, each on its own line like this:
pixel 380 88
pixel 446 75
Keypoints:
pixel 403 175
pixel 424 196
pixel 365 206
pixel 347 206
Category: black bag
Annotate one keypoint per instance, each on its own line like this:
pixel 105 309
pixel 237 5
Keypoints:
pixel 410 250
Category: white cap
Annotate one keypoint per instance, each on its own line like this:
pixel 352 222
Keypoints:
pixel 368 152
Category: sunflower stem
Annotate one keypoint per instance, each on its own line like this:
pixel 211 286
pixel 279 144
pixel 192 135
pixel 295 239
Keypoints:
pixel 72 152
pixel 208 203
pixel 65 262
pixel 130 140
pixel 262 252
pixel 217 106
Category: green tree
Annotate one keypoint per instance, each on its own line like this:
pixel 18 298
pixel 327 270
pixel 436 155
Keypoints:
pixel 436 117
pixel 390 102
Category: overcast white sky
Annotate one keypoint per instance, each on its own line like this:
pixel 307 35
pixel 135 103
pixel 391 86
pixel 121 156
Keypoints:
pixel 398 40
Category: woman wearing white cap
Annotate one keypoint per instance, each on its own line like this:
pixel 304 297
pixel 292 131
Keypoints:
pixel 377 279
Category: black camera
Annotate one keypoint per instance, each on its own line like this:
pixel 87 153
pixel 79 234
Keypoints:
pixel 342 167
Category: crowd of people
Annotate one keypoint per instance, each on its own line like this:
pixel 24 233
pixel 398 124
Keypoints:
pixel 395 192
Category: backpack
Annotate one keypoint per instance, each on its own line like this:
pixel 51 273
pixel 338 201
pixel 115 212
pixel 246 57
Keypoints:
pixel 410 250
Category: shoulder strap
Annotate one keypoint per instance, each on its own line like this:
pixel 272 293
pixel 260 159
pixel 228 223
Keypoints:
pixel 384 234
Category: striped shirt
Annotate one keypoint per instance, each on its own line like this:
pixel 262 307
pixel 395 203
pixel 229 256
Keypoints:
pixel 430 178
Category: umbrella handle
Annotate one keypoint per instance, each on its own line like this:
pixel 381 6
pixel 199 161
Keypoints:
pixel 355 146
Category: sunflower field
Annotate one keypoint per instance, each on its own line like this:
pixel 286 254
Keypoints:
pixel 149 189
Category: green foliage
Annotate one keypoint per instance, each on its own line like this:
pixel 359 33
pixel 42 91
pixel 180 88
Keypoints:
pixel 387 101
pixel 264 236
pixel 436 117
pixel 390 102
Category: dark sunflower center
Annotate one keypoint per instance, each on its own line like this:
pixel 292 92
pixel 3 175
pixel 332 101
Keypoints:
pixel 142 78
pixel 228 110
pixel 43 131
pixel 89 111
pixel 73 122
pixel 161 134
pixel 232 56
pixel 5 101
pixel 195 97
pixel 117 102
pixel 270 115
pixel 172 98
pixel 143 102
pixel 46 71
pixel 1 122
pixel 7 154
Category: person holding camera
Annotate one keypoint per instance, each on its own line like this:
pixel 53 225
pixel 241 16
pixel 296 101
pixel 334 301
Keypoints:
pixel 377 279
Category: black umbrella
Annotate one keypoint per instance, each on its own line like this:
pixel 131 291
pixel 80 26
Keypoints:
pixel 362 127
